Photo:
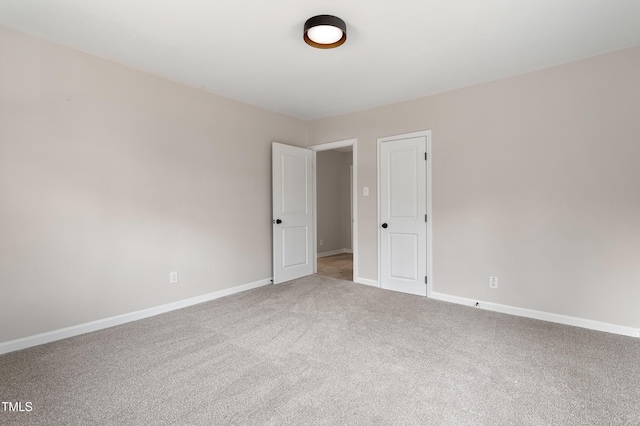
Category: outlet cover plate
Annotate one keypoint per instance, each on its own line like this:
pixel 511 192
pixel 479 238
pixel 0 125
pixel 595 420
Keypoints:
pixel 493 282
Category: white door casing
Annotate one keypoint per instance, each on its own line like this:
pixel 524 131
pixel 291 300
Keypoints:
pixel 293 236
pixel 402 212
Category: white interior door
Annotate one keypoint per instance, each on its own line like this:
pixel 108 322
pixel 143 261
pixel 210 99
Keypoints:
pixel 293 239
pixel 403 209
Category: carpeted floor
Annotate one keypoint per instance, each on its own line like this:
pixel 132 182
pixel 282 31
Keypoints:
pixel 320 351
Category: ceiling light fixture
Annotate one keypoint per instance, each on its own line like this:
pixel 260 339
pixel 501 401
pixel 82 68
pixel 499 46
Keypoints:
pixel 325 32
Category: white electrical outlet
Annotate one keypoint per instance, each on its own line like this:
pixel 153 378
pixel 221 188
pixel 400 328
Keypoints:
pixel 173 277
pixel 321 242
pixel 365 191
pixel 493 282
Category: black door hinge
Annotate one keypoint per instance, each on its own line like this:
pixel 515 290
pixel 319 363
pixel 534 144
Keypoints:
pixel 426 280
pixel 425 156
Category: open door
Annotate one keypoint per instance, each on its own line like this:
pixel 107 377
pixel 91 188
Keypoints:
pixel 293 236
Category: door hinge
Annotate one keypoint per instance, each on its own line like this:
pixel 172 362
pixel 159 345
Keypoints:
pixel 426 280
pixel 425 217
pixel 425 156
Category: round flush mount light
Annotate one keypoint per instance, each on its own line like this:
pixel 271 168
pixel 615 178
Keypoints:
pixel 325 31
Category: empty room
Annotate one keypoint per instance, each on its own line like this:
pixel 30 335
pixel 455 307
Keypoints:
pixel 319 213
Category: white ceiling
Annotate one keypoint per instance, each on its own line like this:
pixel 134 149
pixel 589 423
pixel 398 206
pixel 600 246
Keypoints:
pixel 252 50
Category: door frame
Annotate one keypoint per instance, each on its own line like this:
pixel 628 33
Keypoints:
pixel 354 199
pixel 429 259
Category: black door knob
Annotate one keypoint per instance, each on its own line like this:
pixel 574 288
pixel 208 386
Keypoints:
pixel 278 221
pixel 384 225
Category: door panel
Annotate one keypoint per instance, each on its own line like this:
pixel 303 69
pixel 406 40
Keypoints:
pixel 403 250
pixel 294 184
pixel 403 191
pixel 292 212
pixel 403 237
pixel 294 246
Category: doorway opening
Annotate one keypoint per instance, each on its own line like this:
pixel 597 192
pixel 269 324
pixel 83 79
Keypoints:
pixel 335 168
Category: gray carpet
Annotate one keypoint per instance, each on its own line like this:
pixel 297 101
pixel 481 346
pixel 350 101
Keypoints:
pixel 320 351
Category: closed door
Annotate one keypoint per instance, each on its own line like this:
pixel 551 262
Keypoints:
pixel 403 209
pixel 292 219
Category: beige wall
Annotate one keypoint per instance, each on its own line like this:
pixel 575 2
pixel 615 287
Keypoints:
pixel 536 180
pixel 111 178
pixel 333 200
pixel 345 195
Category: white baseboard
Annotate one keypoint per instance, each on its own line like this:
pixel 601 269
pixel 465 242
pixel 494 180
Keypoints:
pixel 366 281
pixel 63 333
pixel 540 315
pixel 333 252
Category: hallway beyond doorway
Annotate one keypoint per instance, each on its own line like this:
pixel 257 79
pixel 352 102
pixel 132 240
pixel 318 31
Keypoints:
pixel 338 266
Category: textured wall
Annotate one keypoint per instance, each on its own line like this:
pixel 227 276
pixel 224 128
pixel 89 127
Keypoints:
pixel 110 178
pixel 535 181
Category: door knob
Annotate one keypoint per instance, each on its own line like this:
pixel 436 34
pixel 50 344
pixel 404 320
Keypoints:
pixel 278 221
pixel 384 225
